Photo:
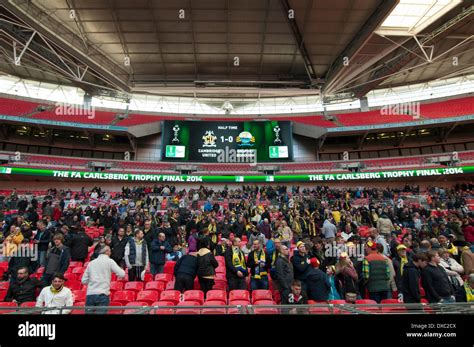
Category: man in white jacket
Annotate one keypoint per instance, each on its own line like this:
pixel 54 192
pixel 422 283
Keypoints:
pixel 97 277
pixel 56 295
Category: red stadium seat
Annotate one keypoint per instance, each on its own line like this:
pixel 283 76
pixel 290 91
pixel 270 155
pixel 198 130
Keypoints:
pixel 134 303
pixel 12 305
pixel 148 277
pixel 155 285
pixel 220 286
pixel 148 296
pixel 79 310
pixel 28 304
pixel 173 296
pixel 164 277
pixel 216 295
pixel 169 285
pixel 79 295
pixel 116 286
pixel 213 310
pixel 239 294
pixel 135 286
pixel 367 302
pixel 124 296
pixel 194 295
pixel 320 310
pixel 74 264
pixel 4 285
pixel 265 303
pixel 188 310
pixel 78 272
pixel 163 310
pixel 169 267
pixel 116 304
pixel 74 285
pixel 261 294
pixel 266 310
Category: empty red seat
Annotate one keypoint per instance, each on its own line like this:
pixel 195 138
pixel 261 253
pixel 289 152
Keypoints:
pixel 79 295
pixel 78 271
pixel 261 294
pixel 213 310
pixel 12 305
pixel 173 296
pixel 74 285
pixel 216 295
pixel 28 304
pixel 4 285
pixel 74 264
pixel 134 303
pixel 149 296
pixel 115 304
pixel 367 302
pixel 116 286
pixel 169 285
pixel 124 296
pixel 135 286
pixel 194 295
pixel 266 310
pixel 164 277
pixel 320 310
pixel 239 294
pixel 163 310
pixel 264 303
pixel 220 286
pixel 188 310
pixel 169 267
pixel 155 285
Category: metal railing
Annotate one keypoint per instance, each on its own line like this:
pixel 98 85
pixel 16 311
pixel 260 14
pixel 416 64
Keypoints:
pixel 314 309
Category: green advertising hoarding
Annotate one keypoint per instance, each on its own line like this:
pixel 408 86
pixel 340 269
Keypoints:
pixel 317 177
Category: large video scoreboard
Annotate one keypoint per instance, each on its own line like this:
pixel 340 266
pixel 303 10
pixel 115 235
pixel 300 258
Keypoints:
pixel 227 142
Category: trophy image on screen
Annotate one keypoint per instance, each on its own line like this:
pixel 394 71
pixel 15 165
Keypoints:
pixel 176 130
pixel 277 129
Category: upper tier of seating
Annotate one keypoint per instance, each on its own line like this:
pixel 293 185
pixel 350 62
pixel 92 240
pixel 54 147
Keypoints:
pixel 435 110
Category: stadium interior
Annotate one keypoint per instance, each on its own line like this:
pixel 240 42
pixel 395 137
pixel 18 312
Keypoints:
pixel 352 95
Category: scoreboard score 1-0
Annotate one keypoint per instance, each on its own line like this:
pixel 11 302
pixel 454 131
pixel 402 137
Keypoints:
pixel 227 142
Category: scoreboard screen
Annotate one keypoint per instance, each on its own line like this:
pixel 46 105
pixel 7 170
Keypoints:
pixel 231 142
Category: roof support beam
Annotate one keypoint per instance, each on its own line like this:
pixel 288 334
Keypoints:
pixel 359 40
pixel 299 41
pixel 60 36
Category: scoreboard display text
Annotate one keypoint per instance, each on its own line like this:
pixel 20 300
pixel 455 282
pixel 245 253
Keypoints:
pixel 227 142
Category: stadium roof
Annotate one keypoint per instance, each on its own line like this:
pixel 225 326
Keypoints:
pixel 236 48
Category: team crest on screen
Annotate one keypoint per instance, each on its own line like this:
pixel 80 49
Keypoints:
pixel 245 139
pixel 209 139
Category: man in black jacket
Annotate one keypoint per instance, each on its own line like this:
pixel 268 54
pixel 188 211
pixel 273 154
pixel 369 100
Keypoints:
pixel 435 280
pixel 294 296
pixel 57 260
pixel 317 283
pixel 159 248
pixel 185 271
pixel 117 246
pixel 150 233
pixel 23 289
pixel 410 283
pixel 79 245
pixel 301 263
pixel 283 270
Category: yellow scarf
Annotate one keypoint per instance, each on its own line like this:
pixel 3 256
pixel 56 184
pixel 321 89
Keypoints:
pixel 54 290
pixel 212 230
pixel 238 259
pixel 256 258
pixel 469 292
pixel 403 261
